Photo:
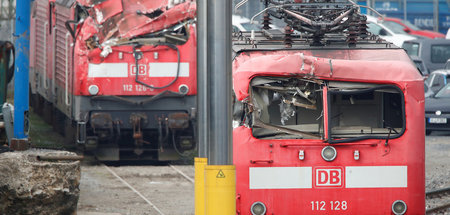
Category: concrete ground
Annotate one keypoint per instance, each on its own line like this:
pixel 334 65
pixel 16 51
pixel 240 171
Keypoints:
pixel 165 191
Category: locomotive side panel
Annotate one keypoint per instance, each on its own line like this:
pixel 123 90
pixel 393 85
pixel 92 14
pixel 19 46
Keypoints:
pixel 63 60
pixel 41 49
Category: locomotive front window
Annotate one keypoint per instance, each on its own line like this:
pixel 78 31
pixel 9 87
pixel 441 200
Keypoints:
pixel 293 108
pixel 287 108
pixel 375 112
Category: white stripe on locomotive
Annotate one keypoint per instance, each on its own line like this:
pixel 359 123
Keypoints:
pixel 302 177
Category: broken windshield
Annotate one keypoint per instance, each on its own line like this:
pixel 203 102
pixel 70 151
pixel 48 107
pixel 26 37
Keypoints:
pixel 361 112
pixel 287 108
pixel 293 108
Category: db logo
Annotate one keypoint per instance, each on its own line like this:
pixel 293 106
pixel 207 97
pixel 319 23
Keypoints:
pixel 142 69
pixel 329 177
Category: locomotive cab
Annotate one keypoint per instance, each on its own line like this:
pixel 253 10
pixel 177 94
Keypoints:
pixel 328 120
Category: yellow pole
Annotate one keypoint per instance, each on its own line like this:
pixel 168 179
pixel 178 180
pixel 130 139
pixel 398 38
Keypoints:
pixel 220 189
pixel 199 164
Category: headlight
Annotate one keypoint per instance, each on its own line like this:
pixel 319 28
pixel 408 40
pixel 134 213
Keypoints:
pixel 258 208
pixel 93 90
pixel 399 207
pixel 183 89
pixel 329 153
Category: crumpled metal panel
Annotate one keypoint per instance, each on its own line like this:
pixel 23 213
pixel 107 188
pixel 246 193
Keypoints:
pixel 125 19
pixel 106 10
pixel 357 65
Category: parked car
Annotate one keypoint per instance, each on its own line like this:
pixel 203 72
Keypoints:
pixel 409 28
pixel 447 65
pixel 437 111
pixel 395 36
pixel 427 90
pixel 420 66
pixel 438 79
pixel 434 52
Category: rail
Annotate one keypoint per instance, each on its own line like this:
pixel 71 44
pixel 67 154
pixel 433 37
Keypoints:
pixel 438 193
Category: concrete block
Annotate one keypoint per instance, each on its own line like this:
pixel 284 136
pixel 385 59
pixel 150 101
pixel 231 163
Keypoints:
pixel 32 186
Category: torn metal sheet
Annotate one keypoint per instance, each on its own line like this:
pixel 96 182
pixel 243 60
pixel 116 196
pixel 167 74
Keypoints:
pixel 260 124
pixel 126 19
pixel 362 65
pixel 106 10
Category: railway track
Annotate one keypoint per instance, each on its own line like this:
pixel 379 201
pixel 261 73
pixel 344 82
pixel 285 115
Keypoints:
pixel 439 193
pixel 135 190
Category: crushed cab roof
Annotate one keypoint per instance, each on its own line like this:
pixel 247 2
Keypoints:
pixel 372 65
pixel 131 18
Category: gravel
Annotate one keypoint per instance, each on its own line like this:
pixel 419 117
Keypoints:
pixel 437 167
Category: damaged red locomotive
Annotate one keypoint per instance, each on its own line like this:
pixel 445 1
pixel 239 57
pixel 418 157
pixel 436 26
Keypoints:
pixel 328 118
pixel 117 77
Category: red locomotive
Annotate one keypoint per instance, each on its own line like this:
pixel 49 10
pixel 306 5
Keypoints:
pixel 117 76
pixel 330 117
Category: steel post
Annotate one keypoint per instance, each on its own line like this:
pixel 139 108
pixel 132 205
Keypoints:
pixel 405 14
pixel 219 89
pixel 22 44
pixel 202 79
pixel 436 15
pixel 216 187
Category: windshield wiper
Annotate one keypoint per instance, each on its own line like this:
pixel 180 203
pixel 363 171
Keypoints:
pixel 259 123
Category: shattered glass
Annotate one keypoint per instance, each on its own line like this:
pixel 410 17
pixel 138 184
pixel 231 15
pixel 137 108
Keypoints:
pixel 287 111
pixel 287 108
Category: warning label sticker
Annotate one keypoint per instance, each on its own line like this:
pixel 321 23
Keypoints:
pixel 220 174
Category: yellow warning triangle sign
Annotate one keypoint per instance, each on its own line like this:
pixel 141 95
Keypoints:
pixel 220 174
